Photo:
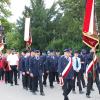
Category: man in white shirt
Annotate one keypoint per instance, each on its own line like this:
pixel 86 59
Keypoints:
pixel 13 66
pixel 76 68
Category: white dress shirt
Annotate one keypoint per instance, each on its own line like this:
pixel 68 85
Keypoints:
pixel 76 68
pixel 13 59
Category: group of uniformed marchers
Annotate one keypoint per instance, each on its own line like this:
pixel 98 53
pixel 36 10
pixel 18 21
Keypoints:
pixel 68 69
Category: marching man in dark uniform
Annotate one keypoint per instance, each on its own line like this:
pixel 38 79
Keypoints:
pixel 23 68
pixel 27 69
pixel 65 70
pixel 52 64
pixel 36 70
pixel 56 73
pixel 45 75
pixel 83 58
pixel 31 76
pixel 91 72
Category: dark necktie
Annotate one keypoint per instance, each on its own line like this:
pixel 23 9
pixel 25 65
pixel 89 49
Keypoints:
pixel 76 63
pixel 37 58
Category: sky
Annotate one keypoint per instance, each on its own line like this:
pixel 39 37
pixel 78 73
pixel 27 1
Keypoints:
pixel 17 6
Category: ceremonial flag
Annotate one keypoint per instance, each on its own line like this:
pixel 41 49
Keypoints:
pixel 27 33
pixel 90 35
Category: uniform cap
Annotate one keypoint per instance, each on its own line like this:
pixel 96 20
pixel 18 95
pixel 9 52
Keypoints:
pixel 37 51
pixel 66 50
pixel 76 51
pixel 33 50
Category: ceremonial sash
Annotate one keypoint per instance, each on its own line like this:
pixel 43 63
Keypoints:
pixel 66 71
pixel 91 65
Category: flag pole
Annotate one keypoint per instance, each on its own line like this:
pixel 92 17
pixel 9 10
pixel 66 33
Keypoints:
pixel 98 35
pixel 97 29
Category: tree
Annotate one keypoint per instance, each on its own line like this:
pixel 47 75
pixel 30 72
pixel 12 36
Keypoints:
pixel 97 6
pixel 4 11
pixel 70 24
pixel 58 27
pixel 41 23
pixel 4 14
pixel 14 39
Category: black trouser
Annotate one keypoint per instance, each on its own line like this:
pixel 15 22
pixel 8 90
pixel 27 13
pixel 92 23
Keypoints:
pixel 1 74
pixel 30 82
pixel 25 80
pixel 40 83
pixel 51 78
pixel 7 76
pixel 82 77
pixel 56 75
pixel 13 72
pixel 18 73
pixel 97 81
pixel 35 83
pixel 89 83
pixel 68 84
pixel 77 75
pixel 45 78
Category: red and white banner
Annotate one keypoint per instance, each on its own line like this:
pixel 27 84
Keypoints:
pixel 66 71
pixel 27 34
pixel 90 36
pixel 91 65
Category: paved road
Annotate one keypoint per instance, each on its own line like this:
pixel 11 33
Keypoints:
pixel 8 92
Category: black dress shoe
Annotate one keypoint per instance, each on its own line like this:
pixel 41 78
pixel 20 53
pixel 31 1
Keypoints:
pixel 37 90
pixel 34 93
pixel 74 92
pixel 52 87
pixel 88 96
pixel 81 92
pixel 84 86
pixel 16 84
pixel 11 84
pixel 42 93
pixel 92 89
pixel 26 89
pixel 45 85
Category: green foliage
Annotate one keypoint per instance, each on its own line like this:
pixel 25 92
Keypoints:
pixel 7 25
pixel 97 12
pixel 14 41
pixel 56 44
pixel 4 14
pixel 58 27
pixel 4 8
